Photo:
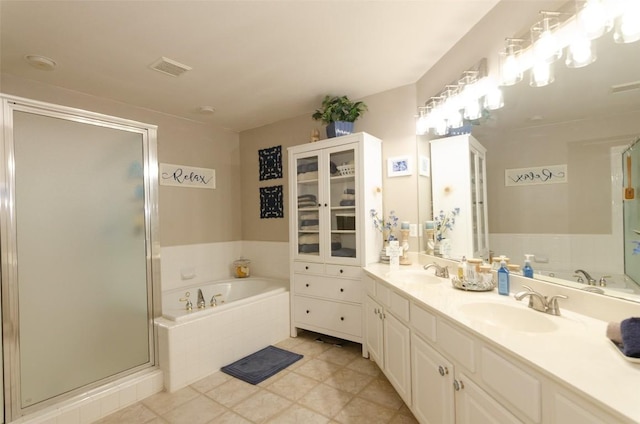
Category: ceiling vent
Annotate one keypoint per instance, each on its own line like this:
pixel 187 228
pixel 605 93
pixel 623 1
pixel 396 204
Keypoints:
pixel 170 67
pixel 625 87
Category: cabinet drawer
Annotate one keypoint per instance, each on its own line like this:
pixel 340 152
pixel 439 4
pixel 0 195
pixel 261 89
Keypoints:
pixel 399 306
pixel 508 379
pixel 308 267
pixel 423 322
pixel 383 294
pixel 335 316
pixel 458 345
pixel 343 271
pixel 330 288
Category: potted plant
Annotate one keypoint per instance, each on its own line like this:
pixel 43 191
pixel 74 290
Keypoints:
pixel 339 113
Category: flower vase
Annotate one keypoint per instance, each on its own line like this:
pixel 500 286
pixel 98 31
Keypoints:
pixel 444 248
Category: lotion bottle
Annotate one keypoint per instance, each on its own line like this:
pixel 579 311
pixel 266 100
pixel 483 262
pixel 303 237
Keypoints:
pixel 462 269
pixel 527 271
pixel 503 279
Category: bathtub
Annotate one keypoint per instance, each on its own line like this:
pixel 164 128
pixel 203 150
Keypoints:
pixel 237 291
pixel 252 313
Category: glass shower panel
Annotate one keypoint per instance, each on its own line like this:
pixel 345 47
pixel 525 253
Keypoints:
pixel 81 258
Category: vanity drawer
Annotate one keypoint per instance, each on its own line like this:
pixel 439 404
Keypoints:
pixel 399 306
pixel 344 271
pixel 308 268
pixel 327 287
pixel 458 345
pixel 341 317
pixel 509 380
pixel 423 322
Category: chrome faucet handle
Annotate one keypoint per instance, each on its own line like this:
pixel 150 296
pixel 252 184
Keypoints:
pixel 445 272
pixel 552 304
pixel 214 301
pixel 603 282
pixel 536 300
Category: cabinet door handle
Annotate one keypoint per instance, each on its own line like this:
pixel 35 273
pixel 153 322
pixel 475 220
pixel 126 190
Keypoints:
pixel 443 370
pixel 306 267
pixel 306 285
pixel 326 204
pixel 341 271
pixel 341 290
pixel 307 311
pixel 458 385
pixel 341 318
pixel 375 311
pixel 319 205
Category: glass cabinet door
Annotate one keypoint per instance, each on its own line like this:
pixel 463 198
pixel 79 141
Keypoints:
pixel 308 206
pixel 473 174
pixel 342 199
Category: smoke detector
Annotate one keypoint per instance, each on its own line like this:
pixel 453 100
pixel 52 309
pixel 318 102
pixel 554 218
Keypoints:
pixel 40 62
pixel 170 67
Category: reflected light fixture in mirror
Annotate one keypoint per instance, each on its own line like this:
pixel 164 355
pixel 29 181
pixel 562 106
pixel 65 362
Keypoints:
pixel 628 23
pixel 460 103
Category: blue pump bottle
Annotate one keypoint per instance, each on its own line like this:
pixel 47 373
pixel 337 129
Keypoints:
pixel 503 279
pixel 527 271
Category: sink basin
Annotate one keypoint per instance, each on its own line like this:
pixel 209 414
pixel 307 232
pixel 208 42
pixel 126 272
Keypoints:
pixel 413 276
pixel 516 317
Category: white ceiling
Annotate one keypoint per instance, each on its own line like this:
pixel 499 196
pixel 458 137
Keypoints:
pixel 255 62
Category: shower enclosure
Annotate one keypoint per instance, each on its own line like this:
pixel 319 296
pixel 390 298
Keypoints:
pixel 79 249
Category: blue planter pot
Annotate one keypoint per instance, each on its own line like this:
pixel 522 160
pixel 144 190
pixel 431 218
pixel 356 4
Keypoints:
pixel 339 128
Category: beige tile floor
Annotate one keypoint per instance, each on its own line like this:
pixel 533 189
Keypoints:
pixel 330 384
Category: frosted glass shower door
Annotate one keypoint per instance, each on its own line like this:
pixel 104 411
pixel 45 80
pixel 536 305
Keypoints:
pixel 83 294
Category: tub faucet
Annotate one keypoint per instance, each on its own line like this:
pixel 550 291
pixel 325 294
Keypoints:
pixel 590 280
pixel 201 303
pixel 441 271
pixel 214 301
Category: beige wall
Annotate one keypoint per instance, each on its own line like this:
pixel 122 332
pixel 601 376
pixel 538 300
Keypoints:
pixel 187 215
pixel 390 117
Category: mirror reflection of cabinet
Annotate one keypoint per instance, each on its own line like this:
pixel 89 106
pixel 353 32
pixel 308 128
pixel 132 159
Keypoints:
pixel 459 181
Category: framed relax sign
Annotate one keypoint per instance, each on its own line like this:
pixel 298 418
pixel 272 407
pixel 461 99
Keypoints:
pixel 187 176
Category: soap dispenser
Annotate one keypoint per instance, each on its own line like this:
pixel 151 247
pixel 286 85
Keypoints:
pixel 503 279
pixel 527 271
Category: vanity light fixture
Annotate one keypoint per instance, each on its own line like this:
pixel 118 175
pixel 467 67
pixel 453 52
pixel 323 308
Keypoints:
pixel 550 36
pixel 546 46
pixel 510 68
pixel 593 18
pixel 627 26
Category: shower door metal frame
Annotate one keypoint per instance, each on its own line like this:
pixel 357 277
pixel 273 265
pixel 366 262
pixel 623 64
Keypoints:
pixel 8 249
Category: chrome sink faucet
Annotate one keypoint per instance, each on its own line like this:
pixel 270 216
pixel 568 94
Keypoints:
pixel 540 302
pixel 590 280
pixel 441 271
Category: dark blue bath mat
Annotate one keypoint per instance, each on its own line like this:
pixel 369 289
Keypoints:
pixel 261 365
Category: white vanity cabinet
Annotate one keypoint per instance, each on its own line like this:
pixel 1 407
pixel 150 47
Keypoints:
pixel 447 374
pixel 333 184
pixel 388 338
pixel 458 179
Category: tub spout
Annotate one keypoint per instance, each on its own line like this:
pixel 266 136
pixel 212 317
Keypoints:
pixel 201 303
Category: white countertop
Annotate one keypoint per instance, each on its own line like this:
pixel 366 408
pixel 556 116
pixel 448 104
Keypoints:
pixel 576 352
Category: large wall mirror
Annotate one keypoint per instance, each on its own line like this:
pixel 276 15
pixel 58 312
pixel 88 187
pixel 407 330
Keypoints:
pixel 586 121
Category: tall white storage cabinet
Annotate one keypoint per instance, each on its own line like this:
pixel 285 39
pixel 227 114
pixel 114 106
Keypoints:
pixel 333 184
pixel 459 181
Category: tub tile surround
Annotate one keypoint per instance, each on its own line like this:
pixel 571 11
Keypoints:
pixel 213 261
pixel 563 355
pixel 191 350
pixel 599 254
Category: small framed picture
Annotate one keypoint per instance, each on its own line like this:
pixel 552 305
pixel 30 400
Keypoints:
pixel 424 168
pixel 399 166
